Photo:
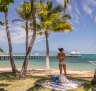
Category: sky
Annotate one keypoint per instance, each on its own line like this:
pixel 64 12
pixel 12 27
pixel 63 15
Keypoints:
pixel 82 38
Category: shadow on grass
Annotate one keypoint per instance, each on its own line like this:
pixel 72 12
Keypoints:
pixel 2 89
pixel 87 86
pixel 9 76
pixel 37 87
pixel 2 84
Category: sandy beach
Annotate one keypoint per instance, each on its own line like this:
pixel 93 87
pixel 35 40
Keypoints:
pixel 13 83
pixel 41 72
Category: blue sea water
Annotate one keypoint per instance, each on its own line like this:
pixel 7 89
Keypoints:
pixel 75 63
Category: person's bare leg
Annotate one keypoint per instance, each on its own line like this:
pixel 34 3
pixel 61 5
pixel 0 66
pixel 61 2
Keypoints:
pixel 60 68
pixel 64 68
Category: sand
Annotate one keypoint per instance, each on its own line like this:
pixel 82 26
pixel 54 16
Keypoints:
pixel 41 72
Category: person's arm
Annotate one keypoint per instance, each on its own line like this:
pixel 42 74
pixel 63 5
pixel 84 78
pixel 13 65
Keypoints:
pixel 58 56
pixel 65 56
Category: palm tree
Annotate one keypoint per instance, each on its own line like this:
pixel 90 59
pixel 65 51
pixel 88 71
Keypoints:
pixel 24 13
pixel 23 73
pixel 4 8
pixel 51 20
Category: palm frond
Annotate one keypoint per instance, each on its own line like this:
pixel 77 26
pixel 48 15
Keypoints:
pixel 24 27
pixel 66 2
pixel 49 5
pixel 53 19
pixel 57 9
pixel 1 23
pixel 62 27
pixel 15 20
pixel 24 11
pixel 67 16
pixel 38 26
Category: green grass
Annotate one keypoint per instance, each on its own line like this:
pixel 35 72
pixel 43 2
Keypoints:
pixel 11 82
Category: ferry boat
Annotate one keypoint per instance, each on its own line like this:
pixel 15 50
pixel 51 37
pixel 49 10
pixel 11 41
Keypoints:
pixel 75 54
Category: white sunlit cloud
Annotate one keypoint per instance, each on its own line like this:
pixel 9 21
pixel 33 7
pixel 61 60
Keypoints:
pixel 77 10
pixel 88 7
pixel 16 32
pixel 3 36
pixel 40 38
pixel 18 37
pixel 69 7
pixel 76 19
pixel 91 2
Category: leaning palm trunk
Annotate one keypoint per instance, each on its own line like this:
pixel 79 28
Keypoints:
pixel 25 64
pixel 47 52
pixel 26 23
pixel 26 35
pixel 10 45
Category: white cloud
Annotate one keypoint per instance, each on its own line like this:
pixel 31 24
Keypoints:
pixel 91 2
pixel 16 32
pixel 69 8
pixel 77 10
pixel 3 36
pixel 18 37
pixel 87 9
pixel 39 39
pixel 74 28
pixel 76 19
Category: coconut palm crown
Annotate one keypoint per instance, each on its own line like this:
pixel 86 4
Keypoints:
pixel 51 19
pixel 25 16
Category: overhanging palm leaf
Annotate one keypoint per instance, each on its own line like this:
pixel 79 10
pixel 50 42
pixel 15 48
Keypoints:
pixel 24 11
pixel 66 16
pixel 62 27
pixel 1 23
pixel 66 2
pixel 4 5
pixel 15 20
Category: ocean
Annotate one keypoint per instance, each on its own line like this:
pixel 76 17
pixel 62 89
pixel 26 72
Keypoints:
pixel 81 63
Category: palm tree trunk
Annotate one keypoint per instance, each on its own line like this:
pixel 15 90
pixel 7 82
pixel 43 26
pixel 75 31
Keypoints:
pixel 26 23
pixel 47 52
pixel 93 81
pixel 26 35
pixel 31 42
pixel 9 43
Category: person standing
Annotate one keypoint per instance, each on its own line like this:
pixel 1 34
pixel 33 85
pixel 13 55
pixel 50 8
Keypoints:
pixel 61 56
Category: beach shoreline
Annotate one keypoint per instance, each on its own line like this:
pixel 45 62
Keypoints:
pixel 43 72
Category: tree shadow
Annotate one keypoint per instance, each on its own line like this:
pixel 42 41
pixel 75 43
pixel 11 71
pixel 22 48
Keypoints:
pixel 9 76
pixel 37 87
pixel 88 86
pixel 2 89
pixel 3 84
